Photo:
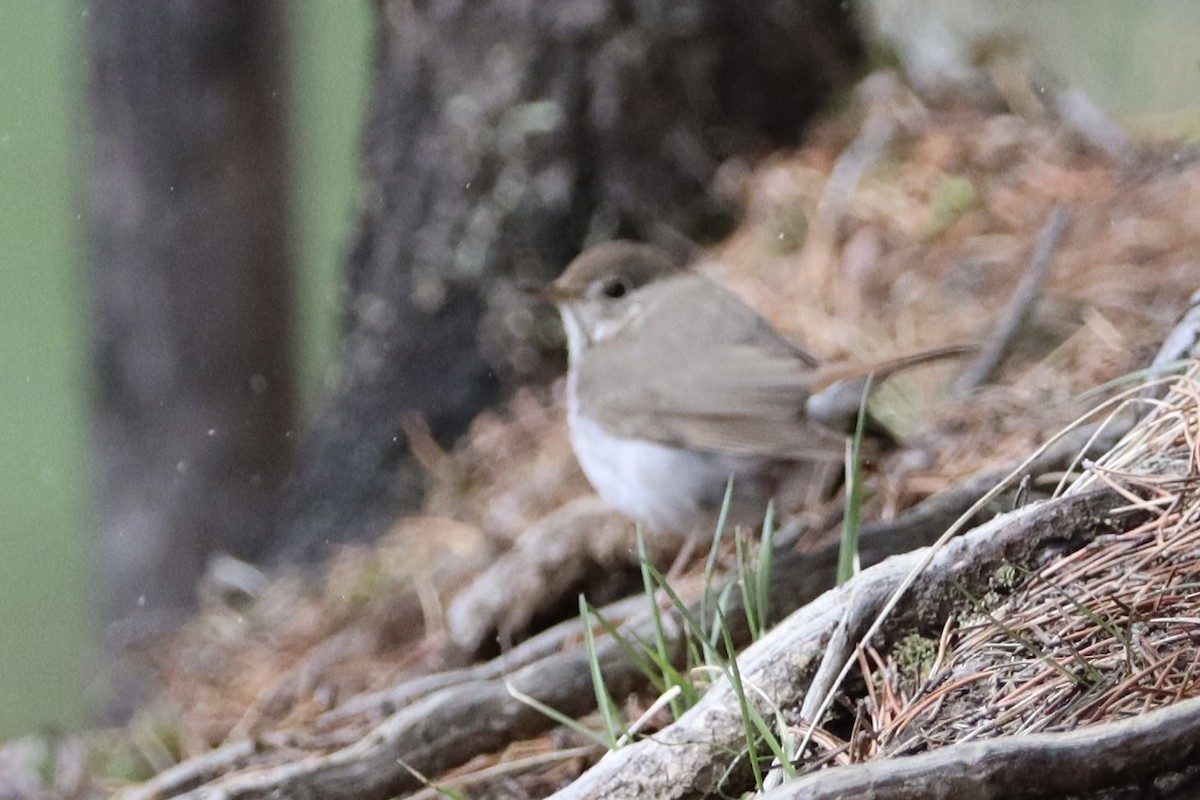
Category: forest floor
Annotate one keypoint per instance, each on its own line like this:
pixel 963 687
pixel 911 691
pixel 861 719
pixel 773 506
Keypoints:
pixel 924 244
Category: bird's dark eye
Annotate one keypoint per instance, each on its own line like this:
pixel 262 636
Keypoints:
pixel 615 288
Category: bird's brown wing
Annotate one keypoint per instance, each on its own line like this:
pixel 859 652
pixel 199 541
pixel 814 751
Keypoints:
pixel 717 379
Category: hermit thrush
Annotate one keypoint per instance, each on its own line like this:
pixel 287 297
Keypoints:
pixel 675 385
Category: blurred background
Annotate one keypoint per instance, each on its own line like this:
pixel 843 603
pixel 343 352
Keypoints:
pixel 47 487
pixel 1139 61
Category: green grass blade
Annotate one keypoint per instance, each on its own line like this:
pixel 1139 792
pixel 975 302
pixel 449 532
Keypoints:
pixel 650 588
pixel 604 702
pixel 762 577
pixel 718 615
pixel 852 521
pixel 746 584
pixel 442 791
pixel 644 658
pixel 714 550
pixel 559 717
pixel 659 670
pixel 747 709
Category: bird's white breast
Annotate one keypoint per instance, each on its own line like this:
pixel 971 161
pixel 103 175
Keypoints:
pixel 664 488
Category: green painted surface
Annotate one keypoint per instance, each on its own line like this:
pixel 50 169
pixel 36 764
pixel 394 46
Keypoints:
pixel 331 58
pixel 43 439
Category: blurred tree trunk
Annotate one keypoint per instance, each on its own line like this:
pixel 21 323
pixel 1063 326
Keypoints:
pixel 502 137
pixel 189 273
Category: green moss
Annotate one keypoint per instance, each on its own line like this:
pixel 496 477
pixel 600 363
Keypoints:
pixel 953 196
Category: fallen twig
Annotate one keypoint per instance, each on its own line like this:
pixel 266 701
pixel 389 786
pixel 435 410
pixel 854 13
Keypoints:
pixel 989 358
pixel 1080 763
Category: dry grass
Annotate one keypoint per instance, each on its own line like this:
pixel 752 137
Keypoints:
pixel 1107 632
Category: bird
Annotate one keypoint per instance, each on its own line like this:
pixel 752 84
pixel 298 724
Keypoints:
pixel 675 387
